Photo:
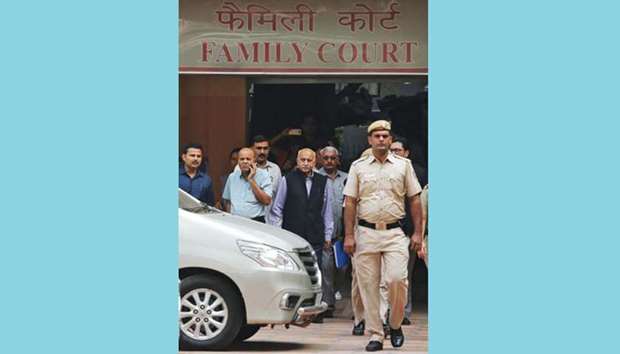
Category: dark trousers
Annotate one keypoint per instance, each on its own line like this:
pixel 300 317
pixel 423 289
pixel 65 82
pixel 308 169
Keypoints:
pixel 259 219
pixel 328 270
pixel 318 250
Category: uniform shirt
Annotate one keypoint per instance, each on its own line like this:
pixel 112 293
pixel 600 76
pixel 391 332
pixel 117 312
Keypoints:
pixel 338 198
pixel 424 201
pixel 277 210
pixel 381 188
pixel 239 192
pixel 200 186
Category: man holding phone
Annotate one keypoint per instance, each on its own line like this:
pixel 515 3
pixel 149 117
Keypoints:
pixel 260 145
pixel 248 189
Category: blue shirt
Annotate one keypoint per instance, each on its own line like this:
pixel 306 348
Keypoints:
pixel 277 207
pixel 201 186
pixel 338 198
pixel 239 192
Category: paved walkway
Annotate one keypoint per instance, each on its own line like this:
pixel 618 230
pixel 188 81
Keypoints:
pixel 333 336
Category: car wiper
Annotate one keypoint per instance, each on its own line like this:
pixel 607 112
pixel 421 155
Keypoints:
pixel 203 208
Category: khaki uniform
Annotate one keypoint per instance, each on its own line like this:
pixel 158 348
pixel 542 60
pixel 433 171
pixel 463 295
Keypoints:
pixel 381 190
pixel 424 200
pixel 356 300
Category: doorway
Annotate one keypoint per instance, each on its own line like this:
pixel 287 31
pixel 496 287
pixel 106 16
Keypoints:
pixel 341 108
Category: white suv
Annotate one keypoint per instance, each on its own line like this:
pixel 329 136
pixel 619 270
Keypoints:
pixel 237 275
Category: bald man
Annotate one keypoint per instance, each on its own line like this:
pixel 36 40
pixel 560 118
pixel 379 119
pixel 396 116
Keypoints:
pixel 248 189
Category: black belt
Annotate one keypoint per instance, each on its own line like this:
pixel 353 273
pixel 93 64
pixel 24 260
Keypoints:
pixel 378 226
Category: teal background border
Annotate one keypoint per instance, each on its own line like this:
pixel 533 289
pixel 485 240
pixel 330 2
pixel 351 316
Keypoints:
pixel 524 143
pixel 89 155
pixel 523 177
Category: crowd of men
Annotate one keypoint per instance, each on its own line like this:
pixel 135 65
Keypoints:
pixel 377 209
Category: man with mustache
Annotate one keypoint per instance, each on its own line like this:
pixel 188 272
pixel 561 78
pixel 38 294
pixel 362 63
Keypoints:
pixel 375 194
pixel 191 177
pixel 261 148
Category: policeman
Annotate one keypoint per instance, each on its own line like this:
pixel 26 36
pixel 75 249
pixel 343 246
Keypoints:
pixel 376 191
pixel 356 301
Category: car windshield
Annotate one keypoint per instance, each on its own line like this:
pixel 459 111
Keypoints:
pixel 191 204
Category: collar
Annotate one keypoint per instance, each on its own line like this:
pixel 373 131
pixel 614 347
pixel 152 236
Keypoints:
pixel 182 171
pixel 324 172
pixel 238 172
pixel 303 175
pixel 268 165
pixel 390 158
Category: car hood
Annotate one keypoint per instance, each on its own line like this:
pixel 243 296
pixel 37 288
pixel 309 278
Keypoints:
pixel 245 229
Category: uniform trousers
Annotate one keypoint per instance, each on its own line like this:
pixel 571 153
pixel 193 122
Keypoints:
pixel 374 249
pixel 384 293
pixel 356 300
pixel 383 300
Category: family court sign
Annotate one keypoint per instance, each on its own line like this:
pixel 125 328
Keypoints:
pixel 303 37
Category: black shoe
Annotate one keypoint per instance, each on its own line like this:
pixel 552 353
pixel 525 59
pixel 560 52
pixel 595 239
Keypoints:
pixel 406 322
pixel 374 345
pixel 396 337
pixel 358 329
pixel 318 318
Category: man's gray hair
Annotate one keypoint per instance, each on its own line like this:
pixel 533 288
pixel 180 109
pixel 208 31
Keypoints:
pixel 329 148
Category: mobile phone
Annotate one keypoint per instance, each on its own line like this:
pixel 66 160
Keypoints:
pixel 294 132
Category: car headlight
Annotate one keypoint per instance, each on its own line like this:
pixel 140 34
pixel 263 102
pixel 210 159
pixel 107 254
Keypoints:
pixel 267 256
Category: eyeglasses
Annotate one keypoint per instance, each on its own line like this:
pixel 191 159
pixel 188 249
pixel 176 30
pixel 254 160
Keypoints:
pixel 330 158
